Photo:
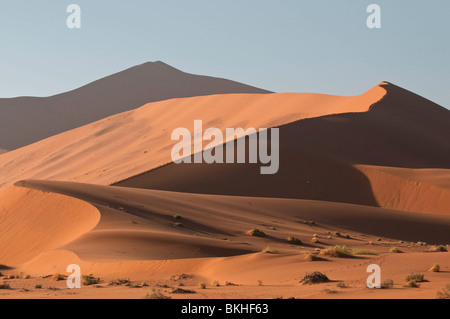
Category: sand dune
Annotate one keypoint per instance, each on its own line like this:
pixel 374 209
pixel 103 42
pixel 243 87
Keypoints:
pixel 130 143
pixel 356 171
pixel 33 222
pixel 3 151
pixel 134 237
pixel 25 120
pixel 328 158
pixel 138 224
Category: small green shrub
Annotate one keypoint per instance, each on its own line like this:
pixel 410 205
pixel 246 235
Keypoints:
pixel 341 285
pixel 294 241
pixel 255 232
pixel 445 293
pixel 337 251
pixel 415 277
pixel 270 250
pixel 413 284
pixel 89 280
pixel 364 252
pixel 156 294
pixel 387 283
pixel 314 278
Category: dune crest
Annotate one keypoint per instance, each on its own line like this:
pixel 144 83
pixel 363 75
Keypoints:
pixel 117 93
pixel 321 158
pixel 133 142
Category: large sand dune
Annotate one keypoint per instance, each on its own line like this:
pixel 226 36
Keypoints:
pixel 136 224
pixel 116 232
pixel 133 142
pixel 25 120
pixel 333 158
pixel 356 171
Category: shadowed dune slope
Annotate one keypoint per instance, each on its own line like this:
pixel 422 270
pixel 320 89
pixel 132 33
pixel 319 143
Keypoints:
pixel 138 224
pixel 3 151
pixel 133 142
pixel 322 158
pixel 25 120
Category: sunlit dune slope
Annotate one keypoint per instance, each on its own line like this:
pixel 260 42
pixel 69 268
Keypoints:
pixel 25 120
pixel 33 221
pixel 139 224
pixel 130 143
pixel 341 158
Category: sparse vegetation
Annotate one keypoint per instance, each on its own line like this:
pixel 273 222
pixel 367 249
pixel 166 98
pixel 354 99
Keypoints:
pixel 312 257
pixel 182 291
pixel 201 285
pixel 178 224
pixel 89 280
pixel 415 277
pixel 38 287
pixel 229 283
pixel 341 285
pixel 421 243
pixel 387 283
pixel 270 250
pixel 120 282
pixel 337 251
pixel 445 293
pixel 308 222
pixel 294 241
pixel 260 283
pixel 255 232
pixel 57 277
pixel 395 250
pixel 435 268
pixel 177 217
pixel 216 283
pixel 26 277
pixel 329 291
pixel 440 249
pixel 314 278
pixel 364 252
pixel 156 294
pixel 413 284
pixel 5 286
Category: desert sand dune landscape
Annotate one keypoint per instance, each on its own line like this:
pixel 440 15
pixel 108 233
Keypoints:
pixel 120 92
pixel 363 180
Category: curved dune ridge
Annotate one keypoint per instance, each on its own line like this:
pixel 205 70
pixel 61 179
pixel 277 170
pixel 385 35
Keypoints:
pixel 33 222
pixel 139 225
pixel 120 92
pixel 341 158
pixel 130 143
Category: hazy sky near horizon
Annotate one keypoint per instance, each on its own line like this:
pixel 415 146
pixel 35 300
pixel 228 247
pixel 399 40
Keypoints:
pixel 321 46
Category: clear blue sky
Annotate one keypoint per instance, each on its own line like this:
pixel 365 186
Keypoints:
pixel 319 46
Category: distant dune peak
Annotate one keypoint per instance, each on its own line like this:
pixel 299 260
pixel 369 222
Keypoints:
pixel 117 93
